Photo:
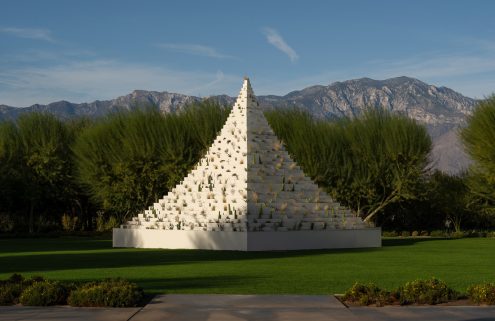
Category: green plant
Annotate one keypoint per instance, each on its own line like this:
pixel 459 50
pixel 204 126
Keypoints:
pixel 479 142
pixel 12 288
pixel 482 293
pixel 103 225
pixel 107 293
pixel 432 291
pixel 457 235
pixel 44 293
pixel 69 223
pixel 366 294
pixel 389 234
pixel 369 162
pixel 10 293
pixel 437 233
pixel 405 234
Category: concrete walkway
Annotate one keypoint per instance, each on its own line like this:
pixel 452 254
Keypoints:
pixel 249 307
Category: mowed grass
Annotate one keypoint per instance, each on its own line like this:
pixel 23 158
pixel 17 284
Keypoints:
pixel 460 263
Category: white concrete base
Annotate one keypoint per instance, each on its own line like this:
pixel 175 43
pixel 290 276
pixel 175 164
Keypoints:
pixel 247 241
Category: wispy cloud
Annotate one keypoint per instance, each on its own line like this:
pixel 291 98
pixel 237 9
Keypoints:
pixel 104 79
pixel 28 33
pixel 193 49
pixel 276 40
pixel 438 66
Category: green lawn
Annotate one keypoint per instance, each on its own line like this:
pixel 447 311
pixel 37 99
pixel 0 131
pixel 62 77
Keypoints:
pixel 458 262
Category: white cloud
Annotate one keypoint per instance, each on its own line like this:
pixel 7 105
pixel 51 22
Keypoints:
pixel 439 66
pixel 29 33
pixel 193 49
pixel 103 79
pixel 276 40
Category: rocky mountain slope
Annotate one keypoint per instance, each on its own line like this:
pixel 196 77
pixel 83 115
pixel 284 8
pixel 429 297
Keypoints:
pixel 441 109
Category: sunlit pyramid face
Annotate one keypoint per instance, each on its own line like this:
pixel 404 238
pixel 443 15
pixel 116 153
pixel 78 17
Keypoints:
pixel 246 182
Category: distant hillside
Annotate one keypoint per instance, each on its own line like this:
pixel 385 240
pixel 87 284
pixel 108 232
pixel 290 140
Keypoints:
pixel 441 109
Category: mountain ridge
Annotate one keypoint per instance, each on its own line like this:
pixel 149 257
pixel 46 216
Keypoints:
pixel 441 109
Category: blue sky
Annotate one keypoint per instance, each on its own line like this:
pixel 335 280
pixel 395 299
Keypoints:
pixel 87 50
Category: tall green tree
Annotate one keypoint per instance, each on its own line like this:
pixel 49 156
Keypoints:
pixel 129 160
pixel 479 142
pixel 368 163
pixel 45 161
pixel 10 173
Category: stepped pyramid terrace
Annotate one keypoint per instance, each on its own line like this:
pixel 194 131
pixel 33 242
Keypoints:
pixel 246 194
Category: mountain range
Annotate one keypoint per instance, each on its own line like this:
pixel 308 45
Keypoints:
pixel 441 109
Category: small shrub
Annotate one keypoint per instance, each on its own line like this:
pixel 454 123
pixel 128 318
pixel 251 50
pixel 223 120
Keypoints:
pixel 366 294
pixel 457 235
pixel 424 233
pixel 107 293
pixel 437 233
pixel 405 234
pixel 44 293
pixel 69 223
pixel 389 234
pixel 11 289
pixel 431 291
pixel 10 293
pixel 415 234
pixel 490 234
pixel 15 278
pixel 482 293
pixel 6 223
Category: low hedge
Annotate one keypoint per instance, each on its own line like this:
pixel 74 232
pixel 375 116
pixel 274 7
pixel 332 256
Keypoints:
pixel 482 293
pixel 366 294
pixel 37 291
pixel 107 293
pixel 12 288
pixel 44 293
pixel 431 291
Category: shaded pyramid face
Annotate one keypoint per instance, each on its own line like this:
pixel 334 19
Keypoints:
pixel 246 182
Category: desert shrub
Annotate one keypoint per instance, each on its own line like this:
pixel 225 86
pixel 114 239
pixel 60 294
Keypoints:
pixel 432 291
pixel 437 233
pixel 415 234
pixel 366 294
pixel 6 223
pixel 482 293
pixel 107 293
pixel 457 235
pixel 103 225
pixel 490 234
pixel 11 289
pixel 405 234
pixel 389 234
pixel 10 293
pixel 44 293
pixel 69 223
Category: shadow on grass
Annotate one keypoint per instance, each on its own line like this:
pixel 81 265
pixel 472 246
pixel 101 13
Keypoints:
pixel 117 258
pixel 13 245
pixel 206 284
pixel 386 242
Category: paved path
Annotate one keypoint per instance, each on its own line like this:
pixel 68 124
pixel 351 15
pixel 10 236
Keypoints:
pixel 249 308
pixel 19 313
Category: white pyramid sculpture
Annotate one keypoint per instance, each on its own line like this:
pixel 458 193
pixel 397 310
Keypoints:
pixel 247 194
